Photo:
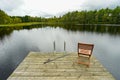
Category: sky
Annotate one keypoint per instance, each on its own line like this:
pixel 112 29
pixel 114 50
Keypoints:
pixel 49 8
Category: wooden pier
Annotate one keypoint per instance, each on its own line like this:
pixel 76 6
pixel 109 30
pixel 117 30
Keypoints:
pixel 58 66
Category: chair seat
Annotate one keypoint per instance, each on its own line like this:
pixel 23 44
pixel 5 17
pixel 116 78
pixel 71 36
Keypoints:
pixel 84 51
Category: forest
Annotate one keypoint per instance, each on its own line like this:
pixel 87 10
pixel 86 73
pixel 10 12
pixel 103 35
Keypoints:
pixel 101 16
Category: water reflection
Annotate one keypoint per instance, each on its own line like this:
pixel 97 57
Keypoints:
pixel 21 40
pixel 6 31
pixel 112 30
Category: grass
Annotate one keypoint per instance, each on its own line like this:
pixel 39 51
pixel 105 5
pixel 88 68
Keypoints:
pixel 20 24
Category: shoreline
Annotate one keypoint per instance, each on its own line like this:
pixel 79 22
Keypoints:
pixel 20 24
pixel 35 23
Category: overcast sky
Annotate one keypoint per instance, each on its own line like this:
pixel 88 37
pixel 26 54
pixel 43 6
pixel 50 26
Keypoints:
pixel 48 8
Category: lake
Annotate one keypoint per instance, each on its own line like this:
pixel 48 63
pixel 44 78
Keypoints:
pixel 17 42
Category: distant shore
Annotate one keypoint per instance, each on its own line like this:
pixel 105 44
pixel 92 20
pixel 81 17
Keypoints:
pixel 101 24
pixel 34 23
pixel 20 24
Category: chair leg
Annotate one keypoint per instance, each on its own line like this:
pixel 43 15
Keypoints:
pixel 89 56
pixel 78 55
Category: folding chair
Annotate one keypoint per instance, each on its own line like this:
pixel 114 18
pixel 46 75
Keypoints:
pixel 85 50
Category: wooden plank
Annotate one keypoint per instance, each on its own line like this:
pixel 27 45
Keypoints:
pixel 62 68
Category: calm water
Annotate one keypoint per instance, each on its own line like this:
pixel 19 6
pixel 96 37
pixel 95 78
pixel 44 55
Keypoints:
pixel 16 43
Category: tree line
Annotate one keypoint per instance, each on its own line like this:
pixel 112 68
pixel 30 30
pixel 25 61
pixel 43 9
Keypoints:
pixel 102 16
pixel 6 19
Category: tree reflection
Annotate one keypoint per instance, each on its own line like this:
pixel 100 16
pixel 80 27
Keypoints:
pixel 6 31
pixel 113 30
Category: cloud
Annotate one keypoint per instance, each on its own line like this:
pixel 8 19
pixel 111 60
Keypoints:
pixel 10 5
pixel 50 8
pixel 98 4
pixel 30 12
pixel 43 8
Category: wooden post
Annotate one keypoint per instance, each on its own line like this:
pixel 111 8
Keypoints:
pixel 64 46
pixel 54 45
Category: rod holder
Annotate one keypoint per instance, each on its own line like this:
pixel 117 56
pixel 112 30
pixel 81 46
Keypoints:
pixel 54 46
pixel 64 46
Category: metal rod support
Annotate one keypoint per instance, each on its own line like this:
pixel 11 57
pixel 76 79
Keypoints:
pixel 54 45
pixel 64 46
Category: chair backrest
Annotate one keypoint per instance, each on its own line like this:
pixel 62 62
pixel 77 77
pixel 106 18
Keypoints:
pixel 86 46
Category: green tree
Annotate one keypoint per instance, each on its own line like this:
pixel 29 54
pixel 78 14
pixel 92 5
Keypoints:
pixel 116 15
pixel 16 19
pixel 4 18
